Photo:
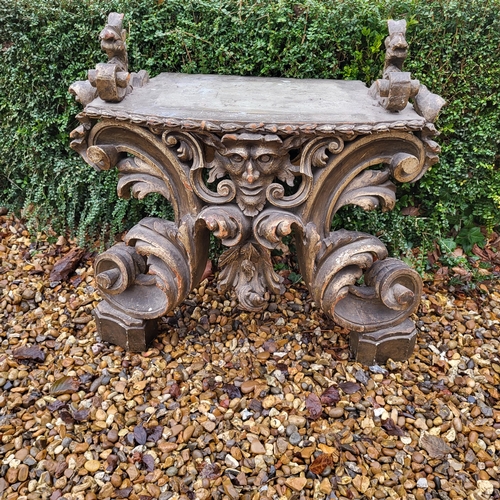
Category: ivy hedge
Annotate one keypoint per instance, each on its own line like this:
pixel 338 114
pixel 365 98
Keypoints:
pixel 48 44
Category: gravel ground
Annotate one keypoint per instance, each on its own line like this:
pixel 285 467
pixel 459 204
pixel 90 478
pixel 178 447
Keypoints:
pixel 229 405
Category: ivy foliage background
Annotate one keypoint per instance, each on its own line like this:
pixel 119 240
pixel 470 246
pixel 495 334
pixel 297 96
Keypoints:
pixel 45 45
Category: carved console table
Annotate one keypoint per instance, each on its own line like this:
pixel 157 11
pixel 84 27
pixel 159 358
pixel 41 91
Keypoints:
pixel 253 160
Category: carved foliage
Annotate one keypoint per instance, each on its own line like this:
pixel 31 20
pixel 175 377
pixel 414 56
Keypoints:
pixel 249 270
pixel 138 178
pixel 79 136
pixel 370 189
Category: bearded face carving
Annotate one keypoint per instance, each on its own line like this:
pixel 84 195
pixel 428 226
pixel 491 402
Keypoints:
pixel 252 162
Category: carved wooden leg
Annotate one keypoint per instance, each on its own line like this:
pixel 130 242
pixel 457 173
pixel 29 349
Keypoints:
pixel 147 277
pixel 375 308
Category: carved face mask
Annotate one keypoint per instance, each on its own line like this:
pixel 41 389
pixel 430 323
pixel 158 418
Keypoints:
pixel 252 162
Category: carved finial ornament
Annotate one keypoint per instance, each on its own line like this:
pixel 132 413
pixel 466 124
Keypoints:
pixel 396 87
pixel 110 81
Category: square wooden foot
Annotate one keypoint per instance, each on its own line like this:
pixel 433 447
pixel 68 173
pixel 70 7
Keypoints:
pixel 118 328
pixel 396 343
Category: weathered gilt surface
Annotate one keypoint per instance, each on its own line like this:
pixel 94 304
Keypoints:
pixel 254 160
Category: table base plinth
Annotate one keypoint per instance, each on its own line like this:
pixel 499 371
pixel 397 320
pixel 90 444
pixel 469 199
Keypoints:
pixel 120 329
pixel 396 343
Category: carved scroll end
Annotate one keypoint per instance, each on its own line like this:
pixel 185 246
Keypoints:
pixel 427 104
pixel 117 268
pixel 272 225
pixel 227 223
pixel 102 157
pixel 405 167
pixel 83 91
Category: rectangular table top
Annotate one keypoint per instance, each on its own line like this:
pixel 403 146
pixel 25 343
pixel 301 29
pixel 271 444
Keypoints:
pixel 226 99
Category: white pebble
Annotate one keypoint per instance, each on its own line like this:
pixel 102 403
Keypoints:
pixel 422 483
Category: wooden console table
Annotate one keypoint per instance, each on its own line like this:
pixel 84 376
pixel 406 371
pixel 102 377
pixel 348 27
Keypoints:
pixel 253 160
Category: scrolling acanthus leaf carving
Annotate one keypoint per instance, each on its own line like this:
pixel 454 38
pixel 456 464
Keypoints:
pixel 249 270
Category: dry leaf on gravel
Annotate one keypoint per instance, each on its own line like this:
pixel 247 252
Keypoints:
pixel 33 353
pixel 321 462
pixel 313 405
pixel 149 462
pixel 65 385
pixel 81 415
pixel 140 434
pixel 124 492
pixel 331 396
pixel 391 428
pixel 434 445
pixel 232 391
pixel 155 433
pixel 350 387
pixel 66 265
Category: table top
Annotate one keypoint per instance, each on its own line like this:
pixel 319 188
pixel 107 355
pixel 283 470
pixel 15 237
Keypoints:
pixel 232 100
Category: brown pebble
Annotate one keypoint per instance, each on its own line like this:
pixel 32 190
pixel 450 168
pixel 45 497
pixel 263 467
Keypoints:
pixel 257 448
pixel 209 426
pixel 167 447
pixel 417 457
pixel 81 448
pixel 176 429
pixel 337 412
pixel 188 432
pixel 11 476
pixel 112 435
pixel 92 465
pixel 23 472
pixel 3 485
pixel 247 386
pixel 296 483
pixel 132 472
pixel 473 436
pixel 230 490
pixel 116 480
pixel 21 454
pixel 153 490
